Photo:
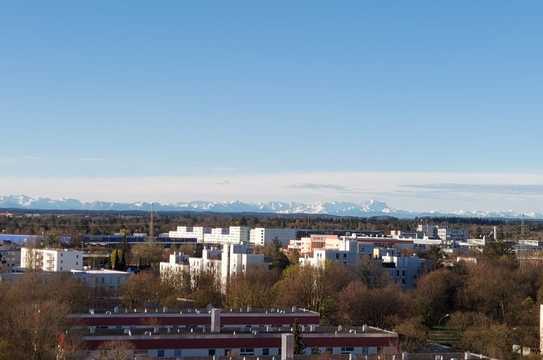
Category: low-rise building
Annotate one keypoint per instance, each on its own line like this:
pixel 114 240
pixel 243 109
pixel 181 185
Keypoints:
pixel 216 333
pixel 103 278
pixel 451 236
pixel 51 259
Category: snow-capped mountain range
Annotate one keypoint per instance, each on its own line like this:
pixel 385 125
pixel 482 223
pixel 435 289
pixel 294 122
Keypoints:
pixel 366 209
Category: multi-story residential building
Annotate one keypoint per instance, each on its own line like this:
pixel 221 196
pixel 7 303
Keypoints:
pixel 345 252
pixel 223 263
pixel 51 259
pixel 104 278
pixel 10 258
pixel 209 262
pixel 177 264
pixel 403 270
pixel 238 258
pixel 206 235
pixel 265 236
pixel 306 245
pixel 208 334
pixel 229 235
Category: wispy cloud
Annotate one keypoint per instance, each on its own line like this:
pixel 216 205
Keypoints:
pixel 320 187
pixel 509 189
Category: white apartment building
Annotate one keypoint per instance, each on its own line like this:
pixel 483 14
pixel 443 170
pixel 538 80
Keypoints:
pixel 10 259
pixel 177 264
pixel 190 232
pixel 344 252
pixel 51 259
pixel 225 262
pixel 229 235
pixel 209 262
pixel 207 235
pixel 403 270
pixel 266 236
pixel 104 278
pixel 237 258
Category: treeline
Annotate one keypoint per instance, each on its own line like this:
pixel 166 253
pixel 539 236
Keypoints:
pixel 78 224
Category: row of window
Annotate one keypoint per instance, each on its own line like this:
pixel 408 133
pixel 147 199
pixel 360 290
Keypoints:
pixel 265 351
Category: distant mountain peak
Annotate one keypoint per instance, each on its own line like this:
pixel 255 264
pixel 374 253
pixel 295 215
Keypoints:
pixel 336 208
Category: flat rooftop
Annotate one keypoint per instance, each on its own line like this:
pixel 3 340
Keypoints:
pixel 170 312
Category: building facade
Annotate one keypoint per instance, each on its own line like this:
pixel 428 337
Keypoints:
pixel 52 260
pixel 104 278
pixel 345 252
pixel 10 259
pixel 267 236
pixel 206 235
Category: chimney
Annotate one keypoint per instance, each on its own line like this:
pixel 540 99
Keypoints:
pixel 215 320
pixel 287 346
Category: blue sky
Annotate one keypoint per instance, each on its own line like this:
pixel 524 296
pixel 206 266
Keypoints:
pixel 226 89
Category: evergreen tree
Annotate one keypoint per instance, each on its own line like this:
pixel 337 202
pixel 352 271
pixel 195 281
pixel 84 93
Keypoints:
pixel 122 262
pixel 298 342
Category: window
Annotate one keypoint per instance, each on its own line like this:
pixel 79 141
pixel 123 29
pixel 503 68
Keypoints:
pixel 247 351
pixel 265 352
pixel 211 352
pixel 160 353
pixel 177 353
pixel 347 349
pixel 330 350
pixel 315 351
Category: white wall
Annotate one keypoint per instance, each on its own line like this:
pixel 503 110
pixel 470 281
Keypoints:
pixel 265 236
